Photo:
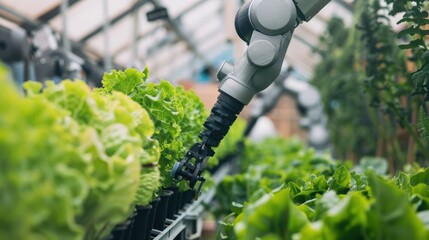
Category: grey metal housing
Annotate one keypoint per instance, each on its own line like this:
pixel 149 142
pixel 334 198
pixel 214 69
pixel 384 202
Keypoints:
pixel 273 22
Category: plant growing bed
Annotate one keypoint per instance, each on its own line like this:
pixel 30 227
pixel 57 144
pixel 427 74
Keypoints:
pixel 288 192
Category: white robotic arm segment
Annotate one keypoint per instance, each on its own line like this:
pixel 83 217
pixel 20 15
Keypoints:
pixel 266 100
pixel 310 97
pixel 267 27
pixel 294 86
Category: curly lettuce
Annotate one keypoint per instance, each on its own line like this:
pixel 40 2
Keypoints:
pixel 177 114
pixel 192 122
pixel 116 143
pixel 43 170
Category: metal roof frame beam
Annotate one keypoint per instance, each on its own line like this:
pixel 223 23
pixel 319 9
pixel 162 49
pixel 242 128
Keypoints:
pixel 17 18
pixel 161 44
pixel 53 12
pixel 136 6
pixel 126 45
pixel 177 18
pixel 29 25
pixel 174 25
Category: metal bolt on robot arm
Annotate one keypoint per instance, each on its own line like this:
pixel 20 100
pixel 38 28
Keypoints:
pixel 267 27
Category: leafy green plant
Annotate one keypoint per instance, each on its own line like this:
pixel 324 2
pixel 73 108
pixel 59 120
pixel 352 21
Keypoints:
pixel 31 205
pixel 384 61
pixel 370 68
pixel 260 221
pixel 415 16
pixel 272 164
pixel 70 160
pixel 386 70
pixel 121 131
pixel 325 201
pixel 387 214
pixel 339 79
pixel 176 113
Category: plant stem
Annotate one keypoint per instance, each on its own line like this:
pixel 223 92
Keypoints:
pixel 390 157
pixel 418 141
pixel 416 138
pixel 398 153
pixel 410 155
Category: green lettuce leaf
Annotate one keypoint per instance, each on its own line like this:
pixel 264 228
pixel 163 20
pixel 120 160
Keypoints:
pixel 43 181
pixel 116 132
pixel 260 221
pixel 177 114
pixel 392 215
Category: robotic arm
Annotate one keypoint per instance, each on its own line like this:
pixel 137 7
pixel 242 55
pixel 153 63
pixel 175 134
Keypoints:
pixel 40 48
pixel 310 105
pixel 267 99
pixel 308 100
pixel 51 60
pixel 267 27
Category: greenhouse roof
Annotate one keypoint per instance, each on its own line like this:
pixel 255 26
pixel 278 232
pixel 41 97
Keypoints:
pixel 198 33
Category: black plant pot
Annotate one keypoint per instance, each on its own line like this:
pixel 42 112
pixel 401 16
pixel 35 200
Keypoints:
pixel 121 230
pixel 188 196
pixel 109 237
pixel 129 230
pixel 141 222
pixel 172 204
pixel 151 219
pixel 180 202
pixel 161 211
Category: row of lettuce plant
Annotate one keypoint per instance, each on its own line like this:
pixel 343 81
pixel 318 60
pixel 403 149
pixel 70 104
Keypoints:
pixel 74 162
pixel 177 114
pixel 286 191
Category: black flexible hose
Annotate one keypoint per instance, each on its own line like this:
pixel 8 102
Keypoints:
pixel 222 116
